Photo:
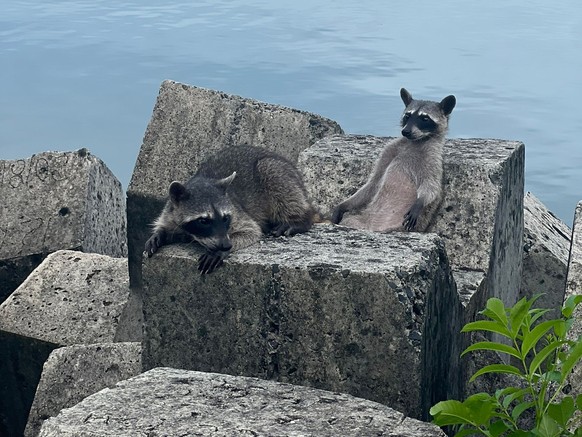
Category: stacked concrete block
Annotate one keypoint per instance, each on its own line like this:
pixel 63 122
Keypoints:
pixel 74 372
pixel 71 298
pixel 574 287
pixel 175 403
pixel 481 216
pixel 55 201
pixel 337 309
pixel 546 249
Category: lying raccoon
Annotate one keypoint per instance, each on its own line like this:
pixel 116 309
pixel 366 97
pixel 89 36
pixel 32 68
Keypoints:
pixel 236 195
pixel 406 183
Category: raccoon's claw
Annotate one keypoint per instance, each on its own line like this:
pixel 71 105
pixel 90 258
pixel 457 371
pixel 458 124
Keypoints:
pixel 209 262
pixel 152 245
pixel 288 230
pixel 337 215
pixel 411 217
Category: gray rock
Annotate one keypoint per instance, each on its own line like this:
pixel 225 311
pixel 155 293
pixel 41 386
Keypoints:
pixel 71 298
pixel 336 308
pixel 481 217
pixel 74 372
pixel 546 249
pixel 174 402
pixel 55 201
pixel 574 287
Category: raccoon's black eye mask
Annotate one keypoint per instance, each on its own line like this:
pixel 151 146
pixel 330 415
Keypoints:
pixel 205 226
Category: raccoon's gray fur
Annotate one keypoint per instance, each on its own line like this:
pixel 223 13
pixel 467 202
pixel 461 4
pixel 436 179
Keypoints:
pixel 405 187
pixel 235 195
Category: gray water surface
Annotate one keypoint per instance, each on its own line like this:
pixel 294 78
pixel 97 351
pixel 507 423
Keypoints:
pixel 78 73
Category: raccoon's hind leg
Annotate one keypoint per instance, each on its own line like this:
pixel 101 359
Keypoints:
pixel 289 212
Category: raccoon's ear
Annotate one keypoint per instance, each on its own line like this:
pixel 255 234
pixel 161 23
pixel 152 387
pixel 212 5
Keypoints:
pixel 406 96
pixel 178 192
pixel 447 104
pixel 225 183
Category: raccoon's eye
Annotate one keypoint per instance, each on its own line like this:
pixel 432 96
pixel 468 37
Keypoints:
pixel 405 118
pixel 425 118
pixel 204 221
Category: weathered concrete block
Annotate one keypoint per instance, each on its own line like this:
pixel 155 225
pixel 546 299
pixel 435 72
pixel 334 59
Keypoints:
pixel 187 124
pixel 71 298
pixel 481 217
pixel 546 247
pixel 174 402
pixel 336 308
pixel 574 287
pixel 55 201
pixel 74 372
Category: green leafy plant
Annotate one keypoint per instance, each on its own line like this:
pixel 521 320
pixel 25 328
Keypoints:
pixel 543 358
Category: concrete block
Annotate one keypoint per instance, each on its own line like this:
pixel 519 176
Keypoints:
pixel 71 298
pixel 74 372
pixel 175 403
pixel 55 201
pixel 336 308
pixel 481 216
pixel 574 287
pixel 546 247
pixel 187 124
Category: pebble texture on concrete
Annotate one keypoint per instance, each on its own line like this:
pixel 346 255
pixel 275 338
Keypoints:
pixel 74 372
pixel 336 308
pixel 174 403
pixel 55 201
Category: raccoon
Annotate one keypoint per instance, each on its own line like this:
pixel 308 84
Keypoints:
pixel 405 187
pixel 235 196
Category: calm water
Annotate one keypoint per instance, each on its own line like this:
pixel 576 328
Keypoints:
pixel 86 73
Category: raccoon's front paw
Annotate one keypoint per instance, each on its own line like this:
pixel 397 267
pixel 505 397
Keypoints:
pixel 289 230
pixel 153 244
pixel 210 261
pixel 411 217
pixel 338 214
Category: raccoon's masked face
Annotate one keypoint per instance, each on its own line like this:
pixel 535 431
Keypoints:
pixel 204 212
pixel 423 119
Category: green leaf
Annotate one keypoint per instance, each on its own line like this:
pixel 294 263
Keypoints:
pixel 532 338
pixel 495 310
pixel 498 428
pixel 493 346
pixel 560 329
pixel 467 431
pixel 537 313
pixel 496 368
pixel 481 407
pixel 520 433
pixel 487 325
pixel 570 305
pixel 518 313
pixel 562 412
pixel 542 355
pixel 548 427
pixel 520 409
pixel 451 412
pixel 517 395
pixel 579 402
pixel 574 355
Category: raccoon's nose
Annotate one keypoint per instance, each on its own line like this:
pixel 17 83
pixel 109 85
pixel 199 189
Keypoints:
pixel 224 246
pixel 406 133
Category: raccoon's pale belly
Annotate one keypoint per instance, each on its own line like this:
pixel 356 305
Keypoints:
pixel 387 209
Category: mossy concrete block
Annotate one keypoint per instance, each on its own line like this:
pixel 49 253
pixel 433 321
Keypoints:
pixel 189 123
pixel 336 308
pixel 71 298
pixel 173 403
pixel 481 216
pixel 574 287
pixel 53 201
pixel 546 247
pixel 72 373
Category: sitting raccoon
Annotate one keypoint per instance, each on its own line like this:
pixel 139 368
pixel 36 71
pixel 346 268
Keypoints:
pixel 406 184
pixel 235 196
